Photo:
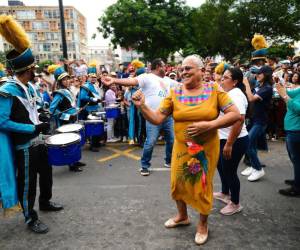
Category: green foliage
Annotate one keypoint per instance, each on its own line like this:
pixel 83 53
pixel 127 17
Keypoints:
pixel 281 51
pixel 43 63
pixel 155 27
pixel 226 27
pixel 158 28
pixel 2 57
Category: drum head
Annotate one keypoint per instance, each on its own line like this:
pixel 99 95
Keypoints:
pixel 62 139
pixel 112 106
pixel 93 121
pixel 70 128
pixel 93 117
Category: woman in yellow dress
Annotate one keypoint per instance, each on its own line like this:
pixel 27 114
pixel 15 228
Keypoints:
pixel 195 107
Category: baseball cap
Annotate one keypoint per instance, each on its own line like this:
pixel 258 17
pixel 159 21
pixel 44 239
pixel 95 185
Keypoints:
pixel 265 70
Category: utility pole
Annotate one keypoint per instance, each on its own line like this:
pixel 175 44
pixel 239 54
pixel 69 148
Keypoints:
pixel 62 28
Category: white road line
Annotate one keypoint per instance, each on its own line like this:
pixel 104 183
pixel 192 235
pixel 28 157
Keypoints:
pixel 160 169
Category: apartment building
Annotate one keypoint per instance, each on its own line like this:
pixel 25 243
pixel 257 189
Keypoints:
pixel 42 24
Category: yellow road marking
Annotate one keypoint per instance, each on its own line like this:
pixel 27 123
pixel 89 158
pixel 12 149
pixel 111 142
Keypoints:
pixel 119 153
pixel 109 157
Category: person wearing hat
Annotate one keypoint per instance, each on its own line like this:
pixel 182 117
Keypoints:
pixel 19 119
pixel 3 77
pixel 89 99
pixel 63 107
pixel 261 99
pixel 219 70
pixel 8 184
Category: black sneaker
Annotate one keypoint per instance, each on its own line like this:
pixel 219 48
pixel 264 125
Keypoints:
pixel 292 191
pixel 79 164
pixel 38 227
pixel 73 168
pixel 145 172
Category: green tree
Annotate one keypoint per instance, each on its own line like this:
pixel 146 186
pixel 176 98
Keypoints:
pixel 226 27
pixel 155 27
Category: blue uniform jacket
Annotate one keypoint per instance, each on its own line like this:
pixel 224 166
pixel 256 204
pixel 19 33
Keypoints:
pixel 86 94
pixel 8 190
pixel 63 106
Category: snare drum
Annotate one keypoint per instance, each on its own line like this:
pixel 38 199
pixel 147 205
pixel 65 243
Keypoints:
pixel 94 127
pixel 63 149
pixel 112 112
pixel 73 128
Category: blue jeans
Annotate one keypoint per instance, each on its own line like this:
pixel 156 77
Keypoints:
pixel 257 130
pixel 293 148
pixel 152 134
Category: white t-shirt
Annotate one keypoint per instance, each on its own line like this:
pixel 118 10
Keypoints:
pixel 240 100
pixel 155 88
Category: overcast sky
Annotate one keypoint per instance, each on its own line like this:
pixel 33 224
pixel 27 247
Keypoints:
pixel 91 9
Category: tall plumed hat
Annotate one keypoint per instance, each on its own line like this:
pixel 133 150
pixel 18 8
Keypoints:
pixel 60 73
pixel 3 77
pixel 20 57
pixel 261 48
pixel 92 70
pixel 137 64
pixel 221 68
pixel 51 68
pixel 2 73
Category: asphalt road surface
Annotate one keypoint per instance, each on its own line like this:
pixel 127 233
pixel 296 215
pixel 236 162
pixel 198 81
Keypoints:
pixel 111 206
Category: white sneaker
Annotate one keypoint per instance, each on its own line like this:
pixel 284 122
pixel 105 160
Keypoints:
pixel 166 165
pixel 112 140
pixel 124 139
pixel 247 171
pixel 256 175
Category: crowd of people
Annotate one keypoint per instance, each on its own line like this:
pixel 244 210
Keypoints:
pixel 209 114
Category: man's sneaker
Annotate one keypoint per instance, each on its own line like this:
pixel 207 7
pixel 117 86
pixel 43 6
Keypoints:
pixel 145 172
pixel 167 165
pixel 231 209
pixel 38 227
pixel 256 175
pixel 247 171
pixel 222 197
pixel 291 191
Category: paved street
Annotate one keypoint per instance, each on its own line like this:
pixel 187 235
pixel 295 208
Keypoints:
pixel 110 206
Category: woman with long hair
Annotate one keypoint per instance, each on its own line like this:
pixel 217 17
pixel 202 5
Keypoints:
pixel 233 143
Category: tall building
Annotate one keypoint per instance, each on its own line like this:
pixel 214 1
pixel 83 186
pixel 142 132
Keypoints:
pixel 42 24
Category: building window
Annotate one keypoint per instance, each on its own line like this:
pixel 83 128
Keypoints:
pixel 25 14
pixel 40 25
pixel 47 47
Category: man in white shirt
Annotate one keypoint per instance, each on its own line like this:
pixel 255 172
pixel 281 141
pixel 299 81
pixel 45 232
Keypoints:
pixel 155 86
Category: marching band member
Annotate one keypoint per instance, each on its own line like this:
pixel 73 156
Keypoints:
pixel 89 99
pixel 19 119
pixel 63 107
pixel 8 184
